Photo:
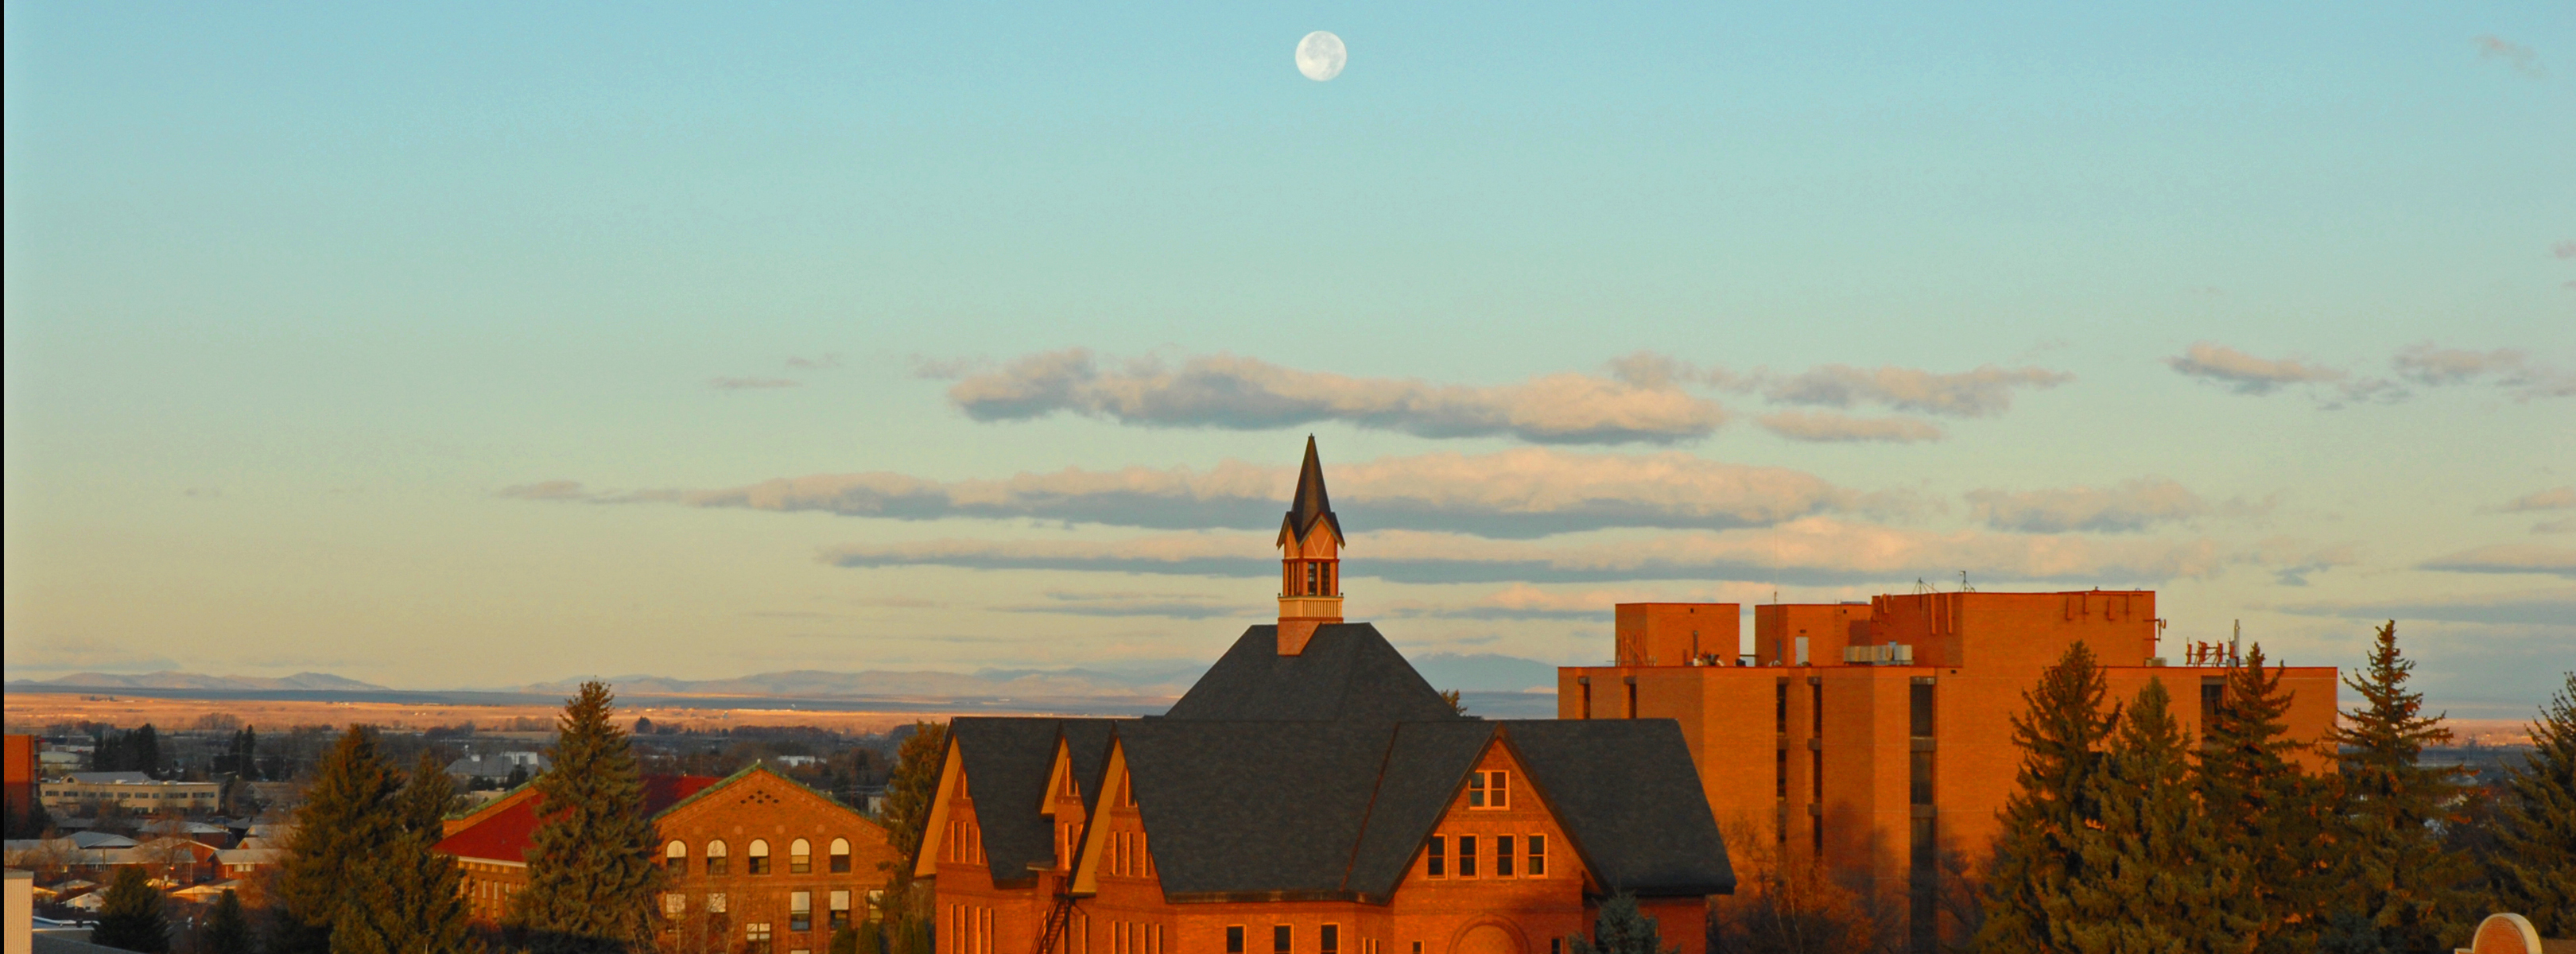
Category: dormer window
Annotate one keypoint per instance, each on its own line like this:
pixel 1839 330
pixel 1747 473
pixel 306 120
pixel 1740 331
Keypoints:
pixel 1489 789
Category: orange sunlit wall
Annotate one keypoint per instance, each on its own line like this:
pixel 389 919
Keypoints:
pixel 1892 772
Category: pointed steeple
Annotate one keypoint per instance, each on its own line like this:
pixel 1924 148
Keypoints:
pixel 1310 564
pixel 1310 504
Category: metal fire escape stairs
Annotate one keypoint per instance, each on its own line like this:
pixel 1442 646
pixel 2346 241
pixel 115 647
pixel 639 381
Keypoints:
pixel 1058 915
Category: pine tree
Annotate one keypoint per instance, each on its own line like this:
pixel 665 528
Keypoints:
pixel 1621 930
pixel 227 927
pixel 132 918
pixel 910 792
pixel 2249 784
pixel 596 864
pixel 2534 867
pixel 2060 734
pixel 411 897
pixel 2394 872
pixel 348 821
pixel 2156 876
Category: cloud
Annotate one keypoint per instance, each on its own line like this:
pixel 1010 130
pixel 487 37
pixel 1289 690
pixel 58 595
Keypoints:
pixel 545 490
pixel 1811 551
pixel 1521 601
pixel 2293 569
pixel 2521 58
pixel 1522 492
pixel 2245 373
pixel 68 653
pixel 1164 605
pixel 2508 558
pixel 749 384
pixel 825 362
pixel 2563 250
pixel 1984 392
pixel 2566 525
pixel 2132 506
pixel 2507 367
pixel 2554 498
pixel 2544 607
pixel 1829 427
pixel 1226 391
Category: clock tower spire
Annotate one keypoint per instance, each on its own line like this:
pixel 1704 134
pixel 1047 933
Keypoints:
pixel 1310 564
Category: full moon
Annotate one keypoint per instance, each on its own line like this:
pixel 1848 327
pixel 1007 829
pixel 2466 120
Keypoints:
pixel 1320 56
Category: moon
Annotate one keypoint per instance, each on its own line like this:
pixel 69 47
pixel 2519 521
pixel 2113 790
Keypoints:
pixel 1320 56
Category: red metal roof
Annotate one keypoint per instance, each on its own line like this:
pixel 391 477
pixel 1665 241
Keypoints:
pixel 508 834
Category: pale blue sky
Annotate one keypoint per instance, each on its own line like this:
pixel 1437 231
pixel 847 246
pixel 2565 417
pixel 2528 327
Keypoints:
pixel 294 293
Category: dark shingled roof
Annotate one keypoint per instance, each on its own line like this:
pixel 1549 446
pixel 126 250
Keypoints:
pixel 1006 762
pixel 1258 808
pixel 1627 794
pixel 1425 767
pixel 1346 672
pixel 1087 744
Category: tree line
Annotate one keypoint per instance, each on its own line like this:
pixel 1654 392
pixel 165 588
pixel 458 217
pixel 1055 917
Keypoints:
pixel 2126 836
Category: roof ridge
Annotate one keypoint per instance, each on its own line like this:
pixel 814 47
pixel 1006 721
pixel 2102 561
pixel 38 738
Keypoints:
pixel 756 764
pixel 1359 838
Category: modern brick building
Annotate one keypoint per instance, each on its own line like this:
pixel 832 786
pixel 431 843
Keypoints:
pixel 1313 795
pixel 758 861
pixel 1877 736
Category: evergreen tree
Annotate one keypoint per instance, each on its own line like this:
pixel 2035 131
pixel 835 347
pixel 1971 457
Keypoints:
pixel 2534 866
pixel 2394 872
pixel 596 864
pixel 411 897
pixel 227 927
pixel 910 792
pixel 132 918
pixel 1621 930
pixel 349 820
pixel 2060 733
pixel 2156 876
pixel 2275 810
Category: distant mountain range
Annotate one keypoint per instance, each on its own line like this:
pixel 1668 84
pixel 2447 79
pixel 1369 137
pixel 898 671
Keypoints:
pixel 305 681
pixel 1476 672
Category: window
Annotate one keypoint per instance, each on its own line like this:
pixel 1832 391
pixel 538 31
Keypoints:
pixel 1780 708
pixel 1537 856
pixel 1234 939
pixel 840 856
pixel 1279 939
pixel 1919 708
pixel 1330 938
pixel 1816 694
pixel 1489 789
pixel 756 935
pixel 675 856
pixel 800 857
pixel 716 903
pixel 1502 856
pixel 876 904
pixel 716 857
pixel 756 858
pixel 1919 777
pixel 1435 862
pixel 840 910
pixel 1466 856
pixel 1313 579
pixel 800 911
pixel 1556 945
pixel 674 905
pixel 1780 775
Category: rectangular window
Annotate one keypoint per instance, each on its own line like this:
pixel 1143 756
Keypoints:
pixel 1330 938
pixel 716 903
pixel 1234 939
pixel 1919 709
pixel 1489 789
pixel 1918 772
pixel 1816 776
pixel 841 863
pixel 1780 775
pixel 756 864
pixel 800 911
pixel 716 864
pixel 1503 856
pixel 1435 863
pixel 1817 696
pixel 1475 789
pixel 1780 708
pixel 674 905
pixel 1279 939
pixel 1466 856
pixel 1923 889
pixel 756 934
pixel 1538 856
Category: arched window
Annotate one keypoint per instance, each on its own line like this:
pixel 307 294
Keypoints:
pixel 840 856
pixel 800 857
pixel 756 858
pixel 675 856
pixel 716 857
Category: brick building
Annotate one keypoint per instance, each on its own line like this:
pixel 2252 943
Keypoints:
pixel 1311 794
pixel 757 861
pixel 1880 733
